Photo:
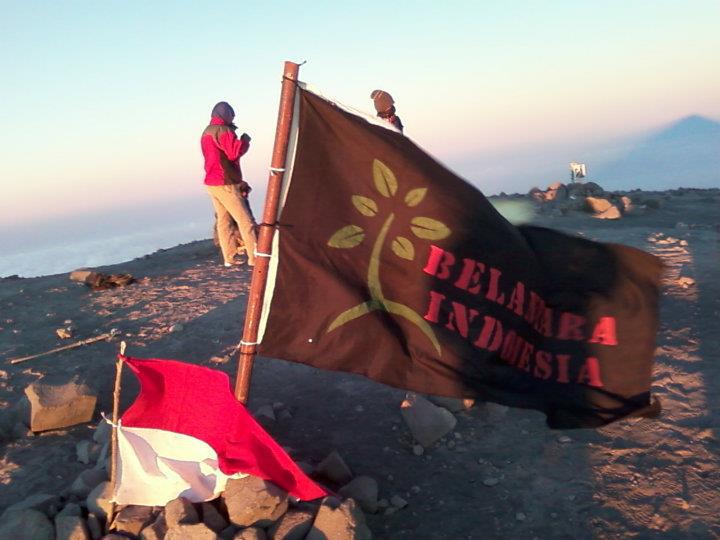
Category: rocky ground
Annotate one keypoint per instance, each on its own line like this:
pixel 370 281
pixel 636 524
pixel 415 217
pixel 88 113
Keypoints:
pixel 500 473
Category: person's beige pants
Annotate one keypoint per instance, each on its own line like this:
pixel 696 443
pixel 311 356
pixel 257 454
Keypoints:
pixel 229 205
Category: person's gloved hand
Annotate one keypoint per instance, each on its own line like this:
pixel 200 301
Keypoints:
pixel 244 188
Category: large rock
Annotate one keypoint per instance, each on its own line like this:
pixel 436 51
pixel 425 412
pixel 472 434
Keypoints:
pixel 95 527
pixel 54 406
pixel 252 501
pixel 102 433
pixel 343 522
pixel 71 528
pixel 427 422
pixel 134 518
pixel 155 531
pixel 98 501
pixel 452 404
pixel 251 533
pixel 212 518
pixel 611 213
pixel 597 205
pixel 334 468
pixel 87 481
pixel 42 502
pixel 71 509
pixel 626 204
pixel 294 525
pixel 180 511
pixel 197 531
pixel 26 524
pixel 556 192
pixel 364 490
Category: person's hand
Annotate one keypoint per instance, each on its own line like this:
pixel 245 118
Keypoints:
pixel 245 137
pixel 245 189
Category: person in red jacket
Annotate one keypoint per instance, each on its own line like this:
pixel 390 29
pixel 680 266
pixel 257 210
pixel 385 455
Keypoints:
pixel 224 182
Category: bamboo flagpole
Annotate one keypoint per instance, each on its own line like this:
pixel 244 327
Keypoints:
pixel 114 437
pixel 248 343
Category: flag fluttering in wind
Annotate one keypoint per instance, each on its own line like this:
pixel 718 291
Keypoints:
pixel 186 434
pixel 387 264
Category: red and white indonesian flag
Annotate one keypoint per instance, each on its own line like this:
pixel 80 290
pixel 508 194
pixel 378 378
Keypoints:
pixel 186 435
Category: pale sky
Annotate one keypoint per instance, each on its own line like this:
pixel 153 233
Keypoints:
pixel 102 103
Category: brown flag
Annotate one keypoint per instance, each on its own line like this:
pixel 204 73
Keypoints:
pixel 389 265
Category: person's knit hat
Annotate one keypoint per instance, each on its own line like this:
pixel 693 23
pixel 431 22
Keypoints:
pixel 225 111
pixel 383 101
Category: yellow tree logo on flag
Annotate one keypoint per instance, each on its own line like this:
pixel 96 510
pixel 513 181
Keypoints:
pixel 352 236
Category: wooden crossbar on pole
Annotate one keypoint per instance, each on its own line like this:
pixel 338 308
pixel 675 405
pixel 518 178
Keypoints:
pixel 248 348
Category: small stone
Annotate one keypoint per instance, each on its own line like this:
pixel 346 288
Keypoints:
pixel 176 328
pixel 383 503
pixel 265 412
pixel 490 481
pixel 390 510
pixel 564 439
pixel 451 444
pixel 418 450
pixel 685 282
pixel 102 432
pixel 82 450
pixel 398 502
pixel 364 490
pixel 415 490
pixel 277 405
pixel 64 333
pixel 284 415
pixel 427 422
pixel 197 531
pixel 520 516
pixel 180 511
pixel 334 468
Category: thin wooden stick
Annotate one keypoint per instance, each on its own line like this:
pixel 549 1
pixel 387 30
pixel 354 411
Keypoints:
pixel 264 245
pixel 65 347
pixel 114 440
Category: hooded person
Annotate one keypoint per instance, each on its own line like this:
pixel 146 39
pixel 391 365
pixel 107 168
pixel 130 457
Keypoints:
pixel 385 107
pixel 224 182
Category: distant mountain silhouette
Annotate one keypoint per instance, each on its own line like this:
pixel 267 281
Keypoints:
pixel 684 154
